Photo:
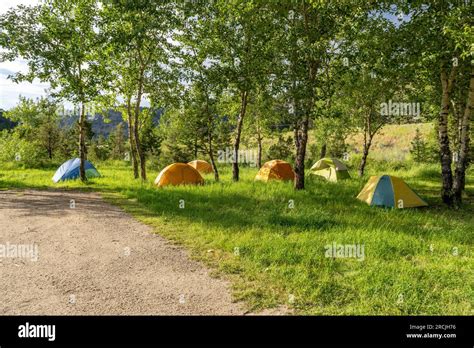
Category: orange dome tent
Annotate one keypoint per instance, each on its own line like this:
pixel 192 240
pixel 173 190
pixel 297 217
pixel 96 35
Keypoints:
pixel 179 174
pixel 201 166
pixel 275 170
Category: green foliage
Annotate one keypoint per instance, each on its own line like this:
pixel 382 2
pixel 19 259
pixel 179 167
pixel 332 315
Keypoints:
pixel 332 131
pixel 58 40
pixel 99 149
pixel 32 114
pixel 20 151
pixel 314 151
pixel 418 147
pixel 198 126
pixel 282 149
pixel 117 143
pixel 48 135
pixel 37 135
pixel 196 61
pixel 68 144
pixel 432 146
pixel 149 134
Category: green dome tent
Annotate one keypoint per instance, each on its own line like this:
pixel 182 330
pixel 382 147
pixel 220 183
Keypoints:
pixel 331 169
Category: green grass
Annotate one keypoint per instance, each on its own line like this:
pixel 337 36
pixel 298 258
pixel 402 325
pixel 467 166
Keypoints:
pixel 247 233
pixel 392 142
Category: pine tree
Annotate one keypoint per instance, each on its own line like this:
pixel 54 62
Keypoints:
pixel 117 143
pixel 418 147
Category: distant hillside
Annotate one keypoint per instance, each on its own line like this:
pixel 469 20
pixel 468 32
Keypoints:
pixel 100 125
pixel 105 125
pixel 393 142
pixel 5 123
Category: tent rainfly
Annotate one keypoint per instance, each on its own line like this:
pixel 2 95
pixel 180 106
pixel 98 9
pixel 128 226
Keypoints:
pixel 331 169
pixel 390 191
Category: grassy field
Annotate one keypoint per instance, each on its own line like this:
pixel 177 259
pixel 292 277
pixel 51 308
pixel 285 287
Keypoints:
pixel 416 262
pixel 392 142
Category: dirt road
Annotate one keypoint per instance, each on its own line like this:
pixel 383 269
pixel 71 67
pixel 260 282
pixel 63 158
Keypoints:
pixel 92 258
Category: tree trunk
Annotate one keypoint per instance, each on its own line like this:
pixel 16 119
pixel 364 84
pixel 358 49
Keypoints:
pixel 50 147
pixel 211 156
pixel 463 158
pixel 240 121
pixel 302 135
pixel 258 132
pixel 365 154
pixel 302 131
pixel 259 153
pixel 457 115
pixel 443 140
pixel 138 146
pixel 82 143
pixel 131 138
pixel 195 147
pixel 323 151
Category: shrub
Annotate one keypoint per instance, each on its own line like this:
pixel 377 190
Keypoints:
pixel 282 149
pixel 418 147
pixel 25 153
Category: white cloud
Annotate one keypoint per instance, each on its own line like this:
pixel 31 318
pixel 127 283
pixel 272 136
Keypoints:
pixel 18 65
pixel 10 91
pixel 6 5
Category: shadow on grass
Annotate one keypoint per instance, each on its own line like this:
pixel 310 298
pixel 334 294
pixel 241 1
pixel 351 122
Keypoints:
pixel 322 207
pixel 232 211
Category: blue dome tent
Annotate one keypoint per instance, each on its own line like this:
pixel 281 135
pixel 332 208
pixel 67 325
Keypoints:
pixel 69 170
pixel 390 191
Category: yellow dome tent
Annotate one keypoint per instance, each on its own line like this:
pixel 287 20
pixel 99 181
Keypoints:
pixel 275 170
pixel 179 174
pixel 201 166
pixel 330 168
pixel 390 191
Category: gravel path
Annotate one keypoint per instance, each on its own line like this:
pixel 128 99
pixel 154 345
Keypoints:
pixel 95 259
